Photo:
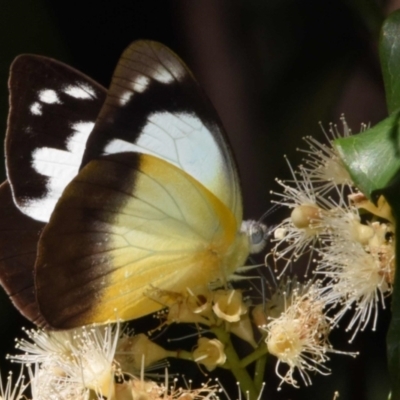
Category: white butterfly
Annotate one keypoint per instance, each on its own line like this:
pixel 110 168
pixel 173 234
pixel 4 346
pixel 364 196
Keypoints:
pixel 156 201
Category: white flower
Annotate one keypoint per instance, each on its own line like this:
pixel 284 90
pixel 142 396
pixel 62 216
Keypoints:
pixel 309 219
pixel 228 305
pixel 140 389
pixel 209 352
pixel 299 336
pixel 44 346
pixel 13 390
pixel 323 165
pixel 356 254
pixel 69 363
pixel 359 275
pixel 44 386
pixel 93 359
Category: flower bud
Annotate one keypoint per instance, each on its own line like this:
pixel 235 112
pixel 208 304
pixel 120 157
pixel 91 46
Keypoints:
pixel 132 349
pixel 259 316
pixel 381 209
pixel 280 233
pixel 209 352
pixel 182 312
pixel 305 216
pixel 228 305
pixel 361 233
pixel 244 330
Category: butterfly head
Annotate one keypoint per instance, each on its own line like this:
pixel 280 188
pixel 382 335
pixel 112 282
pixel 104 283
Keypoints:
pixel 257 234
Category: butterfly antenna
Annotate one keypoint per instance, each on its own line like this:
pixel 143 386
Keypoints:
pixel 271 210
pixel 269 228
pixel 259 289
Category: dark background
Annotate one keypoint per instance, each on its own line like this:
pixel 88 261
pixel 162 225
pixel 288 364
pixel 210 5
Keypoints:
pixel 272 68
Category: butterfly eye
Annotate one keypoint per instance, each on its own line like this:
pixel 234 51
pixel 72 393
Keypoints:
pixel 257 234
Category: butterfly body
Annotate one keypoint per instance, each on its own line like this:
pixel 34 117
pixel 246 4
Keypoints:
pixel 146 195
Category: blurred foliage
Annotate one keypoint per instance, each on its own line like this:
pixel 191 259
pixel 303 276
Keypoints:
pixel 390 60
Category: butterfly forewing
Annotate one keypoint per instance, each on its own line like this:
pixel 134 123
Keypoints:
pixel 52 109
pixel 155 106
pixel 52 112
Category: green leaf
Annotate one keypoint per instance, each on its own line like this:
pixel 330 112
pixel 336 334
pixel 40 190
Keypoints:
pixel 371 157
pixel 389 51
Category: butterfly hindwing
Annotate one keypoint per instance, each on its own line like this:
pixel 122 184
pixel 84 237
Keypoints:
pixel 19 235
pixel 157 227
pixel 155 106
pixel 52 112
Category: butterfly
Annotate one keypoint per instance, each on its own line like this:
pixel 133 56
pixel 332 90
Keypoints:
pixel 110 192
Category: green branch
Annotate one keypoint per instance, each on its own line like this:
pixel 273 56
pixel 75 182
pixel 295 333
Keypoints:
pixel 233 363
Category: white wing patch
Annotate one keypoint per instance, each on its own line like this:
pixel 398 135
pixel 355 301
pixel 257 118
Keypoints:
pixel 80 91
pixel 120 146
pixel 49 96
pixel 182 140
pixel 60 167
pixel 36 108
pixel 140 84
pixel 125 97
pixel 163 75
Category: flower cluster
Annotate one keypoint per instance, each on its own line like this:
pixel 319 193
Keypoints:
pixel 212 308
pixel 94 362
pixel 350 246
pixel 345 244
pixel 299 336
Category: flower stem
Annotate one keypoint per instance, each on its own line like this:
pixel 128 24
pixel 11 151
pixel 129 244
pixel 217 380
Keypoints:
pixel 259 352
pixel 259 372
pixel 181 354
pixel 234 365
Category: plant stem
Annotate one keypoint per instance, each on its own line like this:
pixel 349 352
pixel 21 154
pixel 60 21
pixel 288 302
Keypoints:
pixel 181 354
pixel 233 363
pixel 259 372
pixel 259 352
